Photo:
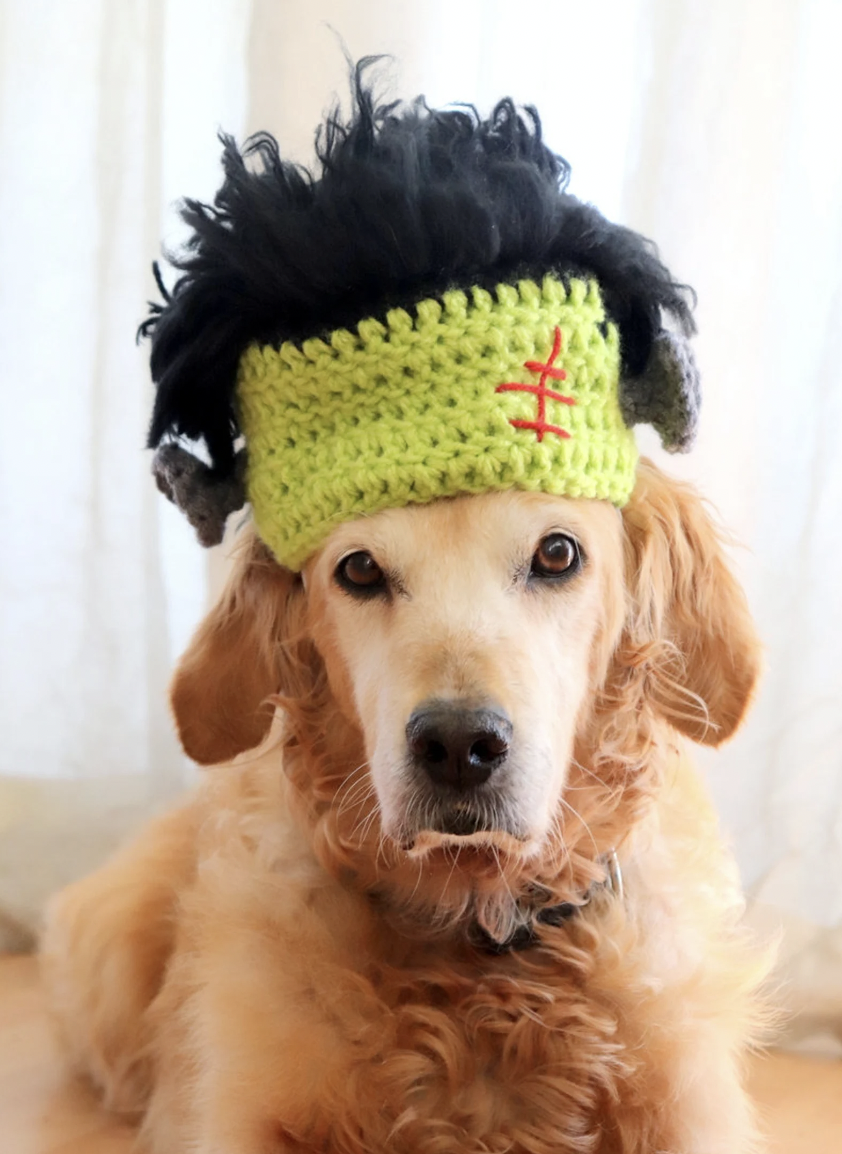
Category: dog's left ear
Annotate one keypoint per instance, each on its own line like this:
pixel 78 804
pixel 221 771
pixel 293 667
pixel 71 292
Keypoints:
pixel 243 653
pixel 688 622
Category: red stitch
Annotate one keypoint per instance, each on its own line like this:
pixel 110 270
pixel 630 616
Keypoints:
pixel 537 390
pixel 538 366
pixel 541 391
pixel 541 428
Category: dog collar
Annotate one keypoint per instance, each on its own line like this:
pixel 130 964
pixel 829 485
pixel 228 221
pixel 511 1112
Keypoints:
pixel 476 392
pixel 528 933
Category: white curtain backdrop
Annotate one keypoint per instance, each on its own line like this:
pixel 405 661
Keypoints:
pixel 711 125
pixel 108 111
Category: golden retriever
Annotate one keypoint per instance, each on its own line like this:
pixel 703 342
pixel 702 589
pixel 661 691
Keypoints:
pixel 390 921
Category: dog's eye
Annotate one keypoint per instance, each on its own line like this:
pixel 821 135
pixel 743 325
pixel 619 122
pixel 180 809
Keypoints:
pixel 360 574
pixel 556 556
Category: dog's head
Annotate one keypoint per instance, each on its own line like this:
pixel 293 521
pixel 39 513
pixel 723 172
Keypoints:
pixel 467 648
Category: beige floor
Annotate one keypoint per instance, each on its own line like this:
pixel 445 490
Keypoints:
pixel 40 1114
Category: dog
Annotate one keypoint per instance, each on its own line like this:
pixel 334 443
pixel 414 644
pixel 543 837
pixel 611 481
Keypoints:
pixel 452 884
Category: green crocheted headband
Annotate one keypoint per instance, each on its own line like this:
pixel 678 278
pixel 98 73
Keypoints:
pixel 476 392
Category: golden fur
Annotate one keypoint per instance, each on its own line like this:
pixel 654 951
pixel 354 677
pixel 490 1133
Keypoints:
pixel 281 964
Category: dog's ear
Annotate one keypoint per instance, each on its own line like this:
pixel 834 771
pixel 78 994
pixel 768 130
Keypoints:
pixel 238 657
pixel 689 621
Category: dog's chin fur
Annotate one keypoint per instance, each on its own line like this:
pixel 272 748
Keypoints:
pixel 265 971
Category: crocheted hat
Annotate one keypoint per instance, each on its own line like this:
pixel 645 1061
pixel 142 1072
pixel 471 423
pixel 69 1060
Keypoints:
pixel 432 315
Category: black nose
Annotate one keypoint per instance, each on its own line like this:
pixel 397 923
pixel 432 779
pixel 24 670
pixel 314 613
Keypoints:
pixel 458 746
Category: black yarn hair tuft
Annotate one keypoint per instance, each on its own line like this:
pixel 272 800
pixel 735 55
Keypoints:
pixel 407 202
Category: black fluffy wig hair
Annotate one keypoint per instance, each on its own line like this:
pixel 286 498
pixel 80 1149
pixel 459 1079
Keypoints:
pixel 406 202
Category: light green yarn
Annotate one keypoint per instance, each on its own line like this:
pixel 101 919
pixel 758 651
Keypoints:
pixel 408 411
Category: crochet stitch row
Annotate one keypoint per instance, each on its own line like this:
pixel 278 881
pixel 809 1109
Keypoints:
pixel 477 392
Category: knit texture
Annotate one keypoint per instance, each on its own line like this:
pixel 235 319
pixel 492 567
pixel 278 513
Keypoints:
pixel 423 407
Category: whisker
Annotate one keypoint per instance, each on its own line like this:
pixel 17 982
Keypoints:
pixel 365 823
pixel 584 824
pixel 417 880
pixel 350 786
pixel 359 802
pixel 496 851
pixel 589 772
pixel 457 850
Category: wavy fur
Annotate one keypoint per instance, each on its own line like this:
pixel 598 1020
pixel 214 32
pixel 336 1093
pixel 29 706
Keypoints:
pixel 263 972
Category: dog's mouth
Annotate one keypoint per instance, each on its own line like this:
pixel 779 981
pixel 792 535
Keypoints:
pixel 460 827
pixel 495 841
pixel 461 822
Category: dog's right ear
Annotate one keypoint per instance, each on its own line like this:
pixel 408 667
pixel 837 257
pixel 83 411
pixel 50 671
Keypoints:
pixel 689 628
pixel 237 659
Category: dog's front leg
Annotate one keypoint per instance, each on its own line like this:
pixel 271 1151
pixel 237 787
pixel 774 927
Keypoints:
pixel 105 947
pixel 263 1016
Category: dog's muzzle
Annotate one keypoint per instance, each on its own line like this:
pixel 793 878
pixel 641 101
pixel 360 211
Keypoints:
pixel 457 754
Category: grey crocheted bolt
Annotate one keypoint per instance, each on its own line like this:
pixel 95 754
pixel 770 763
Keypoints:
pixel 205 498
pixel 667 393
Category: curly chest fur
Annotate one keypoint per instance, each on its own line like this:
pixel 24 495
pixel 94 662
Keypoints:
pixel 494 1054
pixel 405 1046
